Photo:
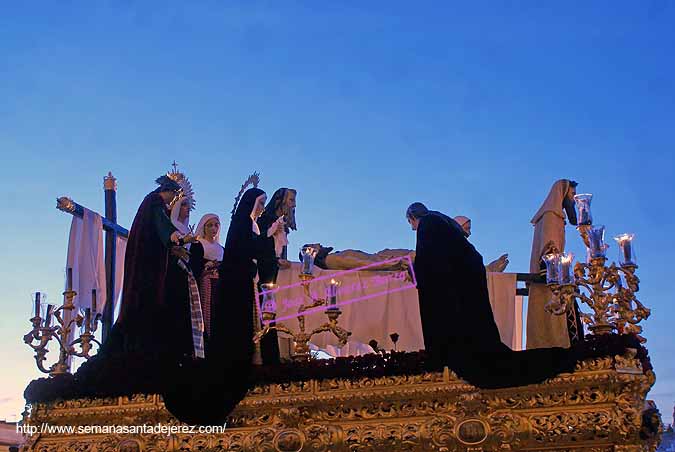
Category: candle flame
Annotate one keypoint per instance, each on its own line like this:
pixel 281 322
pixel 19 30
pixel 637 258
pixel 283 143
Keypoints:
pixel 309 251
pixel 625 237
pixel 567 258
pixel 551 257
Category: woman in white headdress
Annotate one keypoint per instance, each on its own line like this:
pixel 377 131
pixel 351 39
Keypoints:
pixel 180 215
pixel 205 257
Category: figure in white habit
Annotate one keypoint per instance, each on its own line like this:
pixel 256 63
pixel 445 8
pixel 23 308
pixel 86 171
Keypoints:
pixel 544 329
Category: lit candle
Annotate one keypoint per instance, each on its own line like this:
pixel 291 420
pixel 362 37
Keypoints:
pixel 307 260
pixel 37 304
pixel 566 276
pixel 269 300
pixel 625 242
pixel 552 262
pixel 596 241
pixel 583 203
pixel 332 294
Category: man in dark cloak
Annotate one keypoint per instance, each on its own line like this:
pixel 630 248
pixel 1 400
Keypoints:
pixel 142 316
pixel 457 321
pixel 281 210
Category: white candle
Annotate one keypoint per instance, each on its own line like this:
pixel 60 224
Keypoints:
pixel 332 294
pixel 596 239
pixel 308 260
pixel 269 300
pixel 552 268
pixel 625 242
pixel 583 203
pixel 566 267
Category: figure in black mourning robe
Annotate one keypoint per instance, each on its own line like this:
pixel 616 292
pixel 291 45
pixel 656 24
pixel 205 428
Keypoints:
pixel 206 391
pixel 143 311
pixel 177 290
pixel 273 230
pixel 457 321
pixel 142 341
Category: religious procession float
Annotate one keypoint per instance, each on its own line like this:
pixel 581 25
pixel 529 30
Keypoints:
pixel 236 347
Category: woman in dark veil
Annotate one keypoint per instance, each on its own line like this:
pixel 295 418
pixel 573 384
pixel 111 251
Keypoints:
pixel 457 320
pixel 205 392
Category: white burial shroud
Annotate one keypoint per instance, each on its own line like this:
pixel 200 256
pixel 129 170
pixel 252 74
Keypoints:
pixel 396 312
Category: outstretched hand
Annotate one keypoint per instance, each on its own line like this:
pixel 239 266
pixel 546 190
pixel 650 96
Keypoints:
pixel 499 264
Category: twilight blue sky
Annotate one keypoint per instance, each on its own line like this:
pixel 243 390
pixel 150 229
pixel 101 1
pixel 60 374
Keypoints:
pixel 474 110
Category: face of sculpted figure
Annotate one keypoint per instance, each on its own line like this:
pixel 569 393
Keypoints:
pixel 568 203
pixel 288 209
pixel 259 206
pixel 414 223
pixel 184 212
pixel 211 229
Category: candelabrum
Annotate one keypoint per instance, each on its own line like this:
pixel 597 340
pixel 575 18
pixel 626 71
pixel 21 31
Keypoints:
pixel 609 290
pixel 43 331
pixel 302 337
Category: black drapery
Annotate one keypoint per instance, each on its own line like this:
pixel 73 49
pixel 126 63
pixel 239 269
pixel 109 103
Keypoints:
pixel 457 320
pixel 268 270
pixel 143 309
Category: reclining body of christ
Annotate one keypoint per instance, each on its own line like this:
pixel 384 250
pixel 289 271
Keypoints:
pixel 351 259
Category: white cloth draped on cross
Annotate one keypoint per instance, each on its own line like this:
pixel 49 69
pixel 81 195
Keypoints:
pixel 86 259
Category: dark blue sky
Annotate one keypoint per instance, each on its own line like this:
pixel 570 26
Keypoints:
pixel 474 110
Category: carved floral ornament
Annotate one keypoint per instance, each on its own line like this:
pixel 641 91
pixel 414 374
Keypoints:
pixel 598 407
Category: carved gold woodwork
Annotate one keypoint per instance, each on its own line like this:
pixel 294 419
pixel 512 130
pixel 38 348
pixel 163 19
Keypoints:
pixel 598 407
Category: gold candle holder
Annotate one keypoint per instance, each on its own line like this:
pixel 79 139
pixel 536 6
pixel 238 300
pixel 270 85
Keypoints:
pixel 61 332
pixel 614 304
pixel 301 338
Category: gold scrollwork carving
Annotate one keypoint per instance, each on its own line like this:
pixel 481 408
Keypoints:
pixel 597 405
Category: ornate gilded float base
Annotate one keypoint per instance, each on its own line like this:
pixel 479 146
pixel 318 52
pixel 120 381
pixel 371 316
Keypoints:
pixel 597 408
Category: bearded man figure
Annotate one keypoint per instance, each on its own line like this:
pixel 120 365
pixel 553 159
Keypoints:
pixel 282 205
pixel 275 224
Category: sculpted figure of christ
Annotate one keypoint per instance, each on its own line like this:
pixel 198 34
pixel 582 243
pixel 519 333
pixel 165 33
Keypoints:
pixel 350 259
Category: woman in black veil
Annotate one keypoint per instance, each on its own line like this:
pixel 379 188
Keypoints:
pixel 206 391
